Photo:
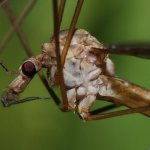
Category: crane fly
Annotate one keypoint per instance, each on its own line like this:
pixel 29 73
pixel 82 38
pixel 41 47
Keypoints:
pixel 80 65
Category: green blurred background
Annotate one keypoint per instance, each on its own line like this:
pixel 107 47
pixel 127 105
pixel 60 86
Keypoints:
pixel 39 125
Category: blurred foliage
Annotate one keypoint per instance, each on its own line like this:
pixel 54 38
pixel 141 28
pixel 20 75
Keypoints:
pixel 39 125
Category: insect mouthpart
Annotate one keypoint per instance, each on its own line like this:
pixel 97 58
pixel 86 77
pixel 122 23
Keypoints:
pixel 27 71
pixel 8 99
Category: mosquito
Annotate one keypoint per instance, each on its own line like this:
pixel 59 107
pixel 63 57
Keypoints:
pixel 80 65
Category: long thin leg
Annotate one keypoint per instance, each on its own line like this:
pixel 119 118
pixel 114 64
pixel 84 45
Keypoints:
pixel 117 113
pixel 61 10
pixel 71 30
pixel 28 49
pixel 58 58
pixel 104 109
pixel 12 19
pixel 57 20
pixel 21 17
pixel 138 50
pixel 49 89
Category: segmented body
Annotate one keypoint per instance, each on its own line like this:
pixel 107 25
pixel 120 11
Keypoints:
pixel 88 75
pixel 83 69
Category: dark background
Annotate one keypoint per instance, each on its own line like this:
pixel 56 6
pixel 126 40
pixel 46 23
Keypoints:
pixel 39 125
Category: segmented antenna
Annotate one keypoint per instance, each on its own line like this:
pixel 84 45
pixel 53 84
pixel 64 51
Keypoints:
pixel 4 67
pixel 10 72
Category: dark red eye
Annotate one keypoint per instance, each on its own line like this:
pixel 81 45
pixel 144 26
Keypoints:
pixel 28 68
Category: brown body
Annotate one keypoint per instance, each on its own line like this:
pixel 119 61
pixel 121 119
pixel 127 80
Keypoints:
pixel 78 92
pixel 127 94
pixel 88 75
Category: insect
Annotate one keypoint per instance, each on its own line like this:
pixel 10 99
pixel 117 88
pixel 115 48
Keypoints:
pixel 80 65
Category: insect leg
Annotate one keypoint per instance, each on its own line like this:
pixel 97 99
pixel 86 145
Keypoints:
pixel 138 50
pixel 60 62
pixel 117 113
pixel 28 50
pixel 104 109
pixel 71 30
pixel 61 10
pixel 58 58
pixel 21 17
pixel 85 105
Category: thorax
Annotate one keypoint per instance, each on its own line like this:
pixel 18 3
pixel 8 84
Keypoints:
pixel 82 64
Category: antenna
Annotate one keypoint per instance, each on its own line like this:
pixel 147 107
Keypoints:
pixel 4 67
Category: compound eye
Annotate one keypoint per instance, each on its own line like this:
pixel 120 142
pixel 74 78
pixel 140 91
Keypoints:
pixel 28 68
